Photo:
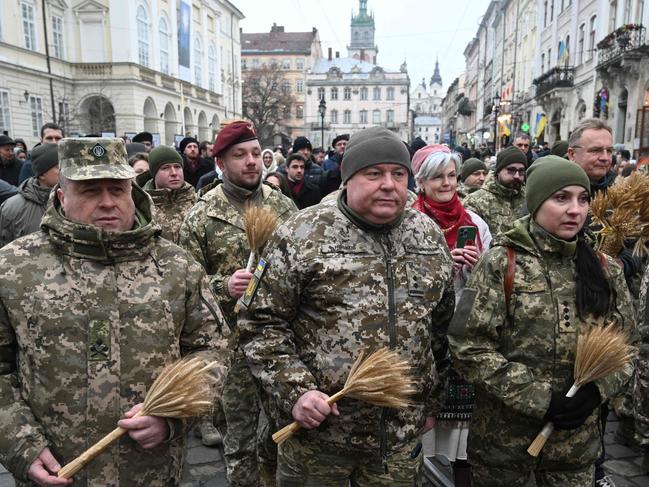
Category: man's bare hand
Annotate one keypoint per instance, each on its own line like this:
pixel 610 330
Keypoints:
pixel 238 282
pixel 148 431
pixel 311 409
pixel 43 470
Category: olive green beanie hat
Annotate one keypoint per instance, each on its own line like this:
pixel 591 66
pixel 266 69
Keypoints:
pixel 470 166
pixel 548 175
pixel 163 155
pixel 375 145
pixel 510 155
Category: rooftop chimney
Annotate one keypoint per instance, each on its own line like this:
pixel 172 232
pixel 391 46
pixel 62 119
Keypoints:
pixel 337 54
pixel 330 53
pixel 277 28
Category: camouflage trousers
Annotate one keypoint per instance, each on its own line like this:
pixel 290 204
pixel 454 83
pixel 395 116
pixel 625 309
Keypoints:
pixel 489 476
pixel 301 463
pixel 249 451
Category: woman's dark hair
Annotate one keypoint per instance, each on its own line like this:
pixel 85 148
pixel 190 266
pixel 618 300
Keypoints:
pixel 595 295
pixel 283 183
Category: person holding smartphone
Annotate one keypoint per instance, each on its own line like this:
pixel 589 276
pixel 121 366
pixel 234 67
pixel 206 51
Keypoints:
pixel 435 169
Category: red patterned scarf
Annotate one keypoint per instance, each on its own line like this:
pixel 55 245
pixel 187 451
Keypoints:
pixel 450 216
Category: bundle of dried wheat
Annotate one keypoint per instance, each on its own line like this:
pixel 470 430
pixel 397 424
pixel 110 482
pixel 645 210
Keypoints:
pixel 259 224
pixel 381 379
pixel 601 351
pixel 623 212
pixel 184 389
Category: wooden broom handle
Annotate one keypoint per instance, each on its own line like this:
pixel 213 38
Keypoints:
pixel 291 429
pixel 86 457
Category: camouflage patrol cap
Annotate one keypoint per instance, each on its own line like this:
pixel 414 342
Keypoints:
pixel 94 158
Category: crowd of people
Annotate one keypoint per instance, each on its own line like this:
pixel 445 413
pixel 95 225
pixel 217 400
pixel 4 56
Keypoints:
pixel 479 269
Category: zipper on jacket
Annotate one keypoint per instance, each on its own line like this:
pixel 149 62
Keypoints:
pixel 387 256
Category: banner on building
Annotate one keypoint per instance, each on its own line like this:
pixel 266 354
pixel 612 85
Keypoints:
pixel 184 41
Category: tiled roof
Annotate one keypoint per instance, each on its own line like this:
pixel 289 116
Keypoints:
pixel 277 42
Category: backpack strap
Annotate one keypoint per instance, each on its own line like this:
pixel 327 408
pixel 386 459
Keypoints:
pixel 508 283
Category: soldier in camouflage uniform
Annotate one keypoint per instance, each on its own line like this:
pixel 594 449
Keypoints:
pixel 501 200
pixel 358 273
pixel 641 386
pixel 213 232
pixel 472 177
pixel 518 346
pixel 92 307
pixel 172 196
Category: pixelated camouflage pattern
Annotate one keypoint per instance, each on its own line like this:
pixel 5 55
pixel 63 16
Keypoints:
pixel 88 319
pixel 171 206
pixel 497 205
pixel 641 382
pixel 331 290
pixel 463 190
pixel 483 476
pixel 94 158
pixel 307 463
pixel 213 232
pixel 516 360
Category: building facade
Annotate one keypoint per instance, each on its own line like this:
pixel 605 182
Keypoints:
pixel 293 53
pixel 171 67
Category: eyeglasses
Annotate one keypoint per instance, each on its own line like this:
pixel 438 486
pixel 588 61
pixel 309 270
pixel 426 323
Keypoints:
pixel 513 172
pixel 596 150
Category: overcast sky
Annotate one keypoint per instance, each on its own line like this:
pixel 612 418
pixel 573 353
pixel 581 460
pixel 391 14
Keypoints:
pixel 418 31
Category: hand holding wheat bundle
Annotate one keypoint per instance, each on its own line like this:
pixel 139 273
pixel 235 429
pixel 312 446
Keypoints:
pixel 601 351
pixel 381 379
pixel 182 390
pixel 260 222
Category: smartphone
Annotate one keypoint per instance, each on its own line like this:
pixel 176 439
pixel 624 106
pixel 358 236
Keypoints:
pixel 466 236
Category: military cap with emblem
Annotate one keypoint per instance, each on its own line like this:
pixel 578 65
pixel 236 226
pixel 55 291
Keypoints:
pixel 94 158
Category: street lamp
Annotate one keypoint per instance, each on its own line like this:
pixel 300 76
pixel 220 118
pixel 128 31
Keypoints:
pixel 496 109
pixel 322 108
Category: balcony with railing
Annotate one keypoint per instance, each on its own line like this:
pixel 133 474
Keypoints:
pixel 555 78
pixel 623 41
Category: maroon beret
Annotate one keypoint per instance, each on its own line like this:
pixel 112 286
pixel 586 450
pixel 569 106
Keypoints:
pixel 232 134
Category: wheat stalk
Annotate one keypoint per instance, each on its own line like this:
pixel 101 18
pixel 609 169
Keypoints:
pixel 259 222
pixel 183 389
pixel 601 351
pixel 381 379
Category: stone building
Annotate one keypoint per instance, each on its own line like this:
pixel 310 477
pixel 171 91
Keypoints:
pixel 117 66
pixel 357 93
pixel 294 53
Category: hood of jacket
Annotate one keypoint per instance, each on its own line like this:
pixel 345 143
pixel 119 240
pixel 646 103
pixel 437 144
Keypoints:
pixel 85 241
pixel 166 196
pixel 493 186
pixel 34 192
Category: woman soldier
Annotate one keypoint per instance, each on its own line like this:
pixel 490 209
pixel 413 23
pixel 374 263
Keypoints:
pixel 516 332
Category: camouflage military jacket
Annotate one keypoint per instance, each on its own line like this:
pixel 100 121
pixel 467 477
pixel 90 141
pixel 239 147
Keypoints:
pixel 517 357
pixel 171 206
pixel 463 191
pixel 214 233
pixel 88 318
pixel 497 205
pixel 333 289
pixel 641 387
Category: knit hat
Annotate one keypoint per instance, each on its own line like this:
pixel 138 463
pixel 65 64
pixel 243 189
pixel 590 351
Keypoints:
pixel 133 148
pixel 338 138
pixel 559 148
pixel 163 155
pixel 510 155
pixel 470 166
pixel 6 140
pixel 301 143
pixel 417 143
pixel 232 134
pixel 372 146
pixel 44 158
pixel 185 142
pixel 548 175
pixel 422 154
pixel 143 137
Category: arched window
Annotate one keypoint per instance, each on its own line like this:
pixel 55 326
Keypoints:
pixel 364 93
pixel 334 93
pixel 163 33
pixel 347 93
pixel 334 116
pixel 390 93
pixel 198 61
pixel 142 36
pixel 211 67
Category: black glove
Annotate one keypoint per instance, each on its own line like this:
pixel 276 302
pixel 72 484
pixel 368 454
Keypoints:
pixel 558 404
pixel 578 408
